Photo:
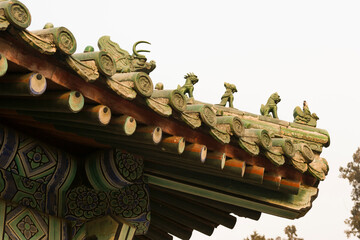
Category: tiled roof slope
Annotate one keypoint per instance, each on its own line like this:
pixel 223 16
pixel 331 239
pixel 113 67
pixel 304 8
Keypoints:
pixel 208 157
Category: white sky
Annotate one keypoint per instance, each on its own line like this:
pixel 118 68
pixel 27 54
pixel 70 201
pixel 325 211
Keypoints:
pixel 304 50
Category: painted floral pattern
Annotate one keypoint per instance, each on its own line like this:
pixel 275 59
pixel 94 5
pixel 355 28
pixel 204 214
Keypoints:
pixel 27 227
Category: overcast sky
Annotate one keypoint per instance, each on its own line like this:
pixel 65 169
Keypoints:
pixel 304 50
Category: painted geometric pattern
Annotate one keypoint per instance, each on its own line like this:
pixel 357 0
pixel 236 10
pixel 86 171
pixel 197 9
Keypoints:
pixel 32 173
pixel 21 223
pixel 26 157
pixel 39 178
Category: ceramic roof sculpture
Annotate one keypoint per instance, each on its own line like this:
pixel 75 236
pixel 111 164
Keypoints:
pixel 89 149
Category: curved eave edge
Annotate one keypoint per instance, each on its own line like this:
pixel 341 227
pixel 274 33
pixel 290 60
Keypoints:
pixel 290 206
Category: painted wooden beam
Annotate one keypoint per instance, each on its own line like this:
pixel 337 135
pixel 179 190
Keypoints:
pixel 31 84
pixel 173 144
pixel 90 115
pixel 155 233
pixel 3 65
pixel 255 174
pixel 195 151
pixel 170 226
pixel 215 159
pixel 206 212
pixel 149 133
pixel 216 205
pixel 235 166
pixel 184 218
pixel 68 102
pixel 264 200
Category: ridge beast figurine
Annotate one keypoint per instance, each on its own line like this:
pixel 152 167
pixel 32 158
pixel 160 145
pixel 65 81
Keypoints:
pixel 228 95
pixel 124 61
pixel 304 116
pixel 190 80
pixel 271 106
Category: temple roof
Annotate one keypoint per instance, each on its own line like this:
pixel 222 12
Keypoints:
pixel 202 161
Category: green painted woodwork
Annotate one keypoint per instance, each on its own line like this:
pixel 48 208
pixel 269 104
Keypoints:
pixel 271 106
pixel 32 84
pixel 2 215
pixel 125 62
pixel 173 144
pixel 123 124
pixel 15 13
pixel 195 151
pixel 171 227
pixel 289 186
pixel 63 39
pixel 271 181
pixel 216 159
pixel 235 166
pixel 184 218
pixel 304 116
pixel 139 81
pixel 151 134
pixel 3 65
pixel 219 206
pixel 102 229
pixel 292 206
pixel 113 169
pixel 228 95
pixel 254 174
pixel 206 212
pixel 118 126
pixel 50 102
pixel 99 115
pixel 102 60
pixel 154 233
